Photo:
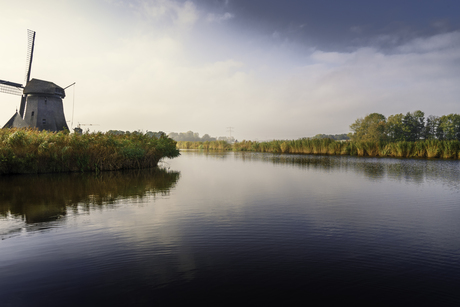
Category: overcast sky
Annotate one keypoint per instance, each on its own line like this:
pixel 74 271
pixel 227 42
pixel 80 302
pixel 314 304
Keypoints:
pixel 270 69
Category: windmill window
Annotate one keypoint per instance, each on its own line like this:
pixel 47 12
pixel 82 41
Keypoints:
pixel 44 121
pixel 32 113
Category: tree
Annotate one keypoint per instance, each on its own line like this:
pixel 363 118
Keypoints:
pixel 431 125
pixel 336 137
pixel 370 128
pixel 207 137
pixel 449 127
pixel 395 128
pixel 414 124
pixel 174 136
pixel 188 136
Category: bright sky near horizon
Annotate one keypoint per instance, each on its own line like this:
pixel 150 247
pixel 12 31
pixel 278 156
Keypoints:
pixel 270 69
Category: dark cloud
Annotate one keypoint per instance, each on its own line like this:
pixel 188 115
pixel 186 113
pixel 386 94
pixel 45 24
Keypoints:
pixel 338 25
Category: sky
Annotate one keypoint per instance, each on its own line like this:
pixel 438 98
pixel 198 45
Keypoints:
pixel 268 69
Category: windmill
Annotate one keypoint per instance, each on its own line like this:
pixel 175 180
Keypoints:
pixel 41 101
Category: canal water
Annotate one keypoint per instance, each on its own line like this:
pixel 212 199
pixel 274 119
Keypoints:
pixel 235 228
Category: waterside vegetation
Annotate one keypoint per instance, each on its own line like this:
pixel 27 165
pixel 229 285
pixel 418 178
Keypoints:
pixel 447 149
pixel 404 136
pixel 411 127
pixel 33 151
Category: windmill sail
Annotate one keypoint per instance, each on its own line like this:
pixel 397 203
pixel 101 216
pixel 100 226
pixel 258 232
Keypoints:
pixel 30 55
pixel 16 88
pixel 10 88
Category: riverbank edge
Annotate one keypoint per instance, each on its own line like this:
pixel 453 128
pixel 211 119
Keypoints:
pixel 441 149
pixel 29 151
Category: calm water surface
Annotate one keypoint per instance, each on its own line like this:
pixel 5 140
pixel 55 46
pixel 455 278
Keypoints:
pixel 235 228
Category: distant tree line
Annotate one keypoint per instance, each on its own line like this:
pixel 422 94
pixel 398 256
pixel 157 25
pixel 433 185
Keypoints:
pixel 151 134
pixel 335 137
pixel 191 136
pixel 411 127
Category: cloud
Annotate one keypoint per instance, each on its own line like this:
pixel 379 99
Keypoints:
pixel 153 65
pixel 436 42
pixel 331 57
pixel 180 14
pixel 276 35
pixel 346 85
pixel 218 18
pixel 356 29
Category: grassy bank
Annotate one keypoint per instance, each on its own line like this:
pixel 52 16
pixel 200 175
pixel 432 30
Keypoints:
pixel 419 149
pixel 32 151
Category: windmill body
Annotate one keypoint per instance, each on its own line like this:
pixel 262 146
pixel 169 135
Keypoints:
pixel 41 102
pixel 44 109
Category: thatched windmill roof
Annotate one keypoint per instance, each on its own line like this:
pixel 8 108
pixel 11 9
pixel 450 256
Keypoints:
pixel 41 87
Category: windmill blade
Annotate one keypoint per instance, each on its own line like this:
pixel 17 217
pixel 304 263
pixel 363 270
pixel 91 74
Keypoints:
pixel 30 54
pixel 10 88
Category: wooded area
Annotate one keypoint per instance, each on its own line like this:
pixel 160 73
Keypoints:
pixel 411 127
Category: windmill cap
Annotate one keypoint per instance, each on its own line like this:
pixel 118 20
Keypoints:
pixel 42 87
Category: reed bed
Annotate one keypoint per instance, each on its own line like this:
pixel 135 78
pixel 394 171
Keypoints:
pixel 403 149
pixel 33 151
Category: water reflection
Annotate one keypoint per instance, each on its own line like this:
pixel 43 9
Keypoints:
pixel 239 227
pixel 409 170
pixel 48 197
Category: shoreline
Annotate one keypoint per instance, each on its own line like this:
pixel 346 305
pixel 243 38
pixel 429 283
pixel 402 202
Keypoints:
pixel 29 151
pixel 428 149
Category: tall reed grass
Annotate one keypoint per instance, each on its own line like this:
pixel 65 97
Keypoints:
pixel 33 151
pixel 403 149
